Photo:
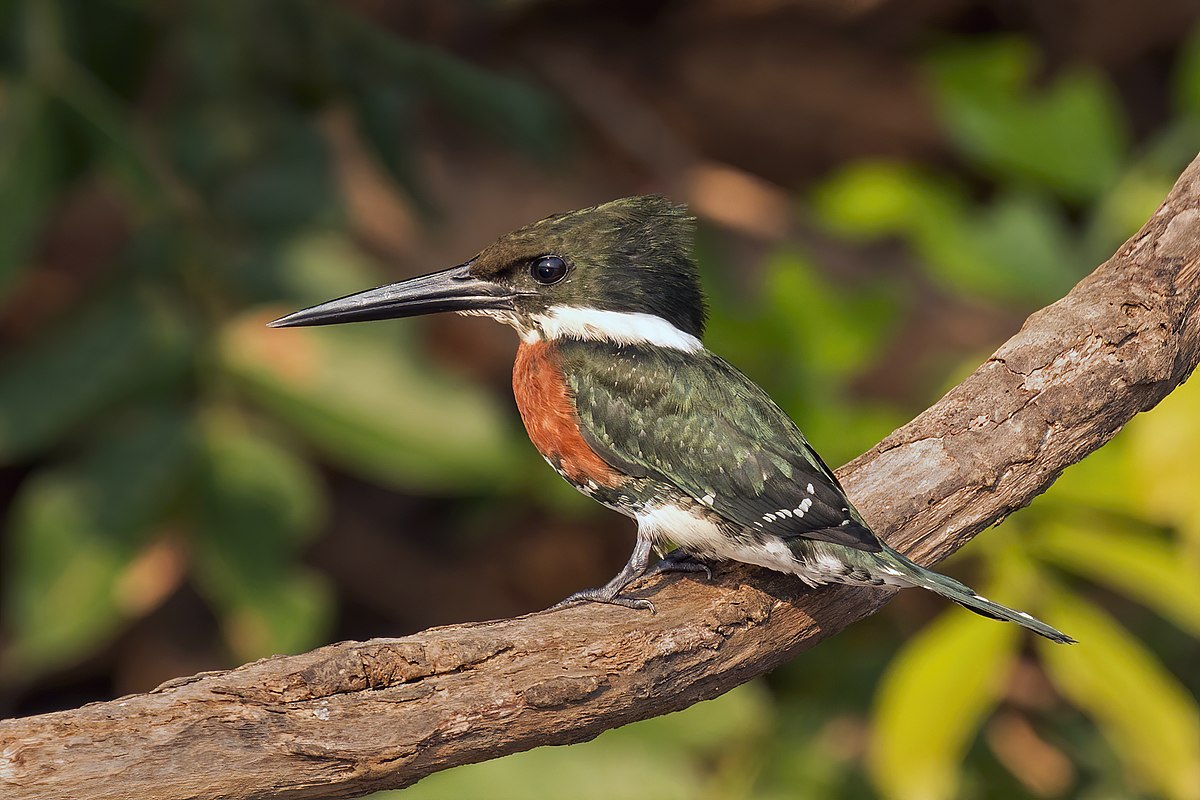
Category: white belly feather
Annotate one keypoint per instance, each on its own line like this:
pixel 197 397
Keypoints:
pixel 699 535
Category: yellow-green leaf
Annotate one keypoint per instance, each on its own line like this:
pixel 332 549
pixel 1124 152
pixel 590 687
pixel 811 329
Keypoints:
pixel 931 704
pixel 1100 482
pixel 1163 445
pixel 1149 719
pixel 876 198
pixel 1146 568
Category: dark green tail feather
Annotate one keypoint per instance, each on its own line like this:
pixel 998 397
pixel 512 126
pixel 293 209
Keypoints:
pixel 967 598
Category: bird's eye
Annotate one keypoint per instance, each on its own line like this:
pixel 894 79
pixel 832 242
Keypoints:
pixel 548 269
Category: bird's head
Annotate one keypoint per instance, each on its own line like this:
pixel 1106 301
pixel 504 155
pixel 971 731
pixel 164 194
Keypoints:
pixel 621 271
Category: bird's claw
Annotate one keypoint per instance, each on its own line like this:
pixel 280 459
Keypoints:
pixel 676 561
pixel 611 598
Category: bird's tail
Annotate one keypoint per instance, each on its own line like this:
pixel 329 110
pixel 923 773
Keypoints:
pixel 965 596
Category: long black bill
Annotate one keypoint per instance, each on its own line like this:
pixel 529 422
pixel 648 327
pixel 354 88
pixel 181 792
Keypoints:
pixel 453 289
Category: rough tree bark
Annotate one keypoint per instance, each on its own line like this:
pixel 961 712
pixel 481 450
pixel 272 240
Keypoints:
pixel 359 716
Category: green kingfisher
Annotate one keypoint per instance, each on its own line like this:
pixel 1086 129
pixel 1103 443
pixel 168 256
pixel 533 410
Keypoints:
pixel 620 396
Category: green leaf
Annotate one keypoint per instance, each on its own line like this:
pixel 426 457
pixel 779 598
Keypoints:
pixel 932 702
pixel 288 613
pixel 1148 718
pixel 28 166
pixel 313 268
pixel 1018 247
pixel 373 407
pixel 837 333
pixel 877 198
pixel 485 101
pixel 741 715
pixel 1135 195
pixel 259 503
pixel 554 773
pixel 1026 248
pixel 283 184
pixel 109 122
pixel 119 344
pixel 76 531
pixel 1143 567
pixel 1187 77
pixel 364 397
pixel 1068 136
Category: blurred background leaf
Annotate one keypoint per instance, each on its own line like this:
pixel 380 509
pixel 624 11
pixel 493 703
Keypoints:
pixel 1067 136
pixel 1142 566
pixel 27 177
pixel 368 402
pixel 118 346
pixel 935 696
pixel 258 505
pixel 1151 722
pixel 78 530
pixel 885 191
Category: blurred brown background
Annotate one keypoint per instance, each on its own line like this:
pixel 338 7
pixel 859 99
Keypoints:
pixel 885 191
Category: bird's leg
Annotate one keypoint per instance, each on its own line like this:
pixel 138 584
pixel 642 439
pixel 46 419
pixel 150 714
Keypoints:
pixel 610 592
pixel 678 560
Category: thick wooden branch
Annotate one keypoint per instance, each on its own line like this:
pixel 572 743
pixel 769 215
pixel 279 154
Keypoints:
pixel 359 716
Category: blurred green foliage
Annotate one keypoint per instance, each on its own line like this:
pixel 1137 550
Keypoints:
pixel 155 404
pixel 171 438
pixel 1055 154
pixel 77 527
pixel 1067 137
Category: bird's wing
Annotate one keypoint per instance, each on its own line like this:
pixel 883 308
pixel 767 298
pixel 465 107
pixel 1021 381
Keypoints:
pixel 692 421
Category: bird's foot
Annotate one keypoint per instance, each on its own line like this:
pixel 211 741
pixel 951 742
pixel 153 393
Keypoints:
pixel 611 592
pixel 679 561
pixel 606 595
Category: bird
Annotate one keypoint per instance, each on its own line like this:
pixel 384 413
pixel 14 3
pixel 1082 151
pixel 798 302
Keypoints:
pixel 621 397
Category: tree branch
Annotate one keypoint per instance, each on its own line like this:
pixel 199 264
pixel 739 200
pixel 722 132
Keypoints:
pixel 360 716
